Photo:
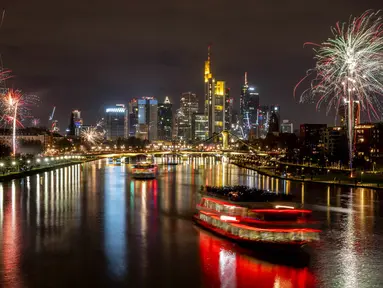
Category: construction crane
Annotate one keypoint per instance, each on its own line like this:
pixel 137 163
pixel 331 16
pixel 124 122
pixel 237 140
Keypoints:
pixel 53 114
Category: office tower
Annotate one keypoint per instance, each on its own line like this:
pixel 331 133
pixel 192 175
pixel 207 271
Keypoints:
pixel 274 119
pixel 199 127
pixel 249 103
pixel 215 94
pixel 219 106
pixel 209 94
pixel 75 123
pixel 268 119
pixel 229 102
pixel 147 118
pixel 133 117
pixel 165 120
pixel 287 127
pixel 116 122
pixel 188 107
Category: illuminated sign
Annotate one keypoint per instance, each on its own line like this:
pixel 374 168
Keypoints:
pixel 115 110
pixel 251 88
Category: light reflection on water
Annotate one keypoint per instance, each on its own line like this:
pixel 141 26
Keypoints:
pixel 93 224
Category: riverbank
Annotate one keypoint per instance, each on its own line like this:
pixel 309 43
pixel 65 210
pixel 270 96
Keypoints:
pixel 34 171
pixel 351 183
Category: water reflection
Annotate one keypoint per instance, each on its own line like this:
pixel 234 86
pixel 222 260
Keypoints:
pixel 95 224
pixel 115 226
pixel 223 266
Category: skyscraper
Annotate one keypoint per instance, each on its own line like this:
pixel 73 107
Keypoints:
pixel 199 126
pixel 75 123
pixel 116 122
pixel 249 104
pixel 147 118
pixel 268 118
pixel 229 102
pixel 133 117
pixel 215 100
pixel 219 106
pixel 274 119
pixel 209 94
pixel 188 107
pixel 165 120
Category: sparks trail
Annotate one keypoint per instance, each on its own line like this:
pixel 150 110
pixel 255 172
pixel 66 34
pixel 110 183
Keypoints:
pixel 349 69
pixel 92 135
pixel 15 107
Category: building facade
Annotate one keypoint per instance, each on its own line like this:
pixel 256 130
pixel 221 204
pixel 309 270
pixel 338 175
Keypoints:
pixel 133 117
pixel 287 127
pixel 215 100
pixel 369 143
pixel 249 104
pixel 188 107
pixel 335 144
pixel 116 122
pixel 165 120
pixel 229 103
pixel 199 127
pixel 311 139
pixel 268 119
pixel 147 118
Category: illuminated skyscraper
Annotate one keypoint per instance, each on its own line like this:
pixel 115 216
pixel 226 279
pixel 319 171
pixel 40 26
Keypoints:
pixel 209 94
pixel 229 102
pixel 133 117
pixel 249 104
pixel 188 107
pixel 165 120
pixel 215 100
pixel 147 118
pixel 116 122
pixel 268 119
pixel 75 123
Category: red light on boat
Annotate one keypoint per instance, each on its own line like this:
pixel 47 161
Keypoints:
pixel 287 211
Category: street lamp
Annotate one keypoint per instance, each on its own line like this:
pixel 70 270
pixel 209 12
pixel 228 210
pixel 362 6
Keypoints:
pixel 1 164
pixel 13 163
pixel 28 161
pixel 38 160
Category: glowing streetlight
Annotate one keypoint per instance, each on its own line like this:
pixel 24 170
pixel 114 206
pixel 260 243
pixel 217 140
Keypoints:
pixel 13 163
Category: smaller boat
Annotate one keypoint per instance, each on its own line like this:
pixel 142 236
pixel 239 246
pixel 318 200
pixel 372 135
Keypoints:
pixel 144 170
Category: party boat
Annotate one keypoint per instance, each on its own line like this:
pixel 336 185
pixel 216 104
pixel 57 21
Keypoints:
pixel 144 170
pixel 253 216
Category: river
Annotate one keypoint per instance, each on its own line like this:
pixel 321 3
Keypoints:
pixel 92 225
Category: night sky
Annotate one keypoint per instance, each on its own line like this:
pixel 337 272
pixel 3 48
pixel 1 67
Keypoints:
pixel 89 54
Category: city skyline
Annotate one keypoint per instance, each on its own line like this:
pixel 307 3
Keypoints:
pixel 91 82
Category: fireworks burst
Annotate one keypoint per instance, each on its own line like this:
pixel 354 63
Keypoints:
pixel 35 122
pixel 15 107
pixel 92 135
pixel 349 68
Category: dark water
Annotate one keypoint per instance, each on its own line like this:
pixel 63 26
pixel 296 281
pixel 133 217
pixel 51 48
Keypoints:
pixel 93 226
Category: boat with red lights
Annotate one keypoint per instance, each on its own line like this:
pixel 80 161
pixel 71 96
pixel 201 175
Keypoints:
pixel 144 170
pixel 255 216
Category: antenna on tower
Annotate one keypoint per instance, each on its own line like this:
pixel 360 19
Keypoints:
pixel 245 78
